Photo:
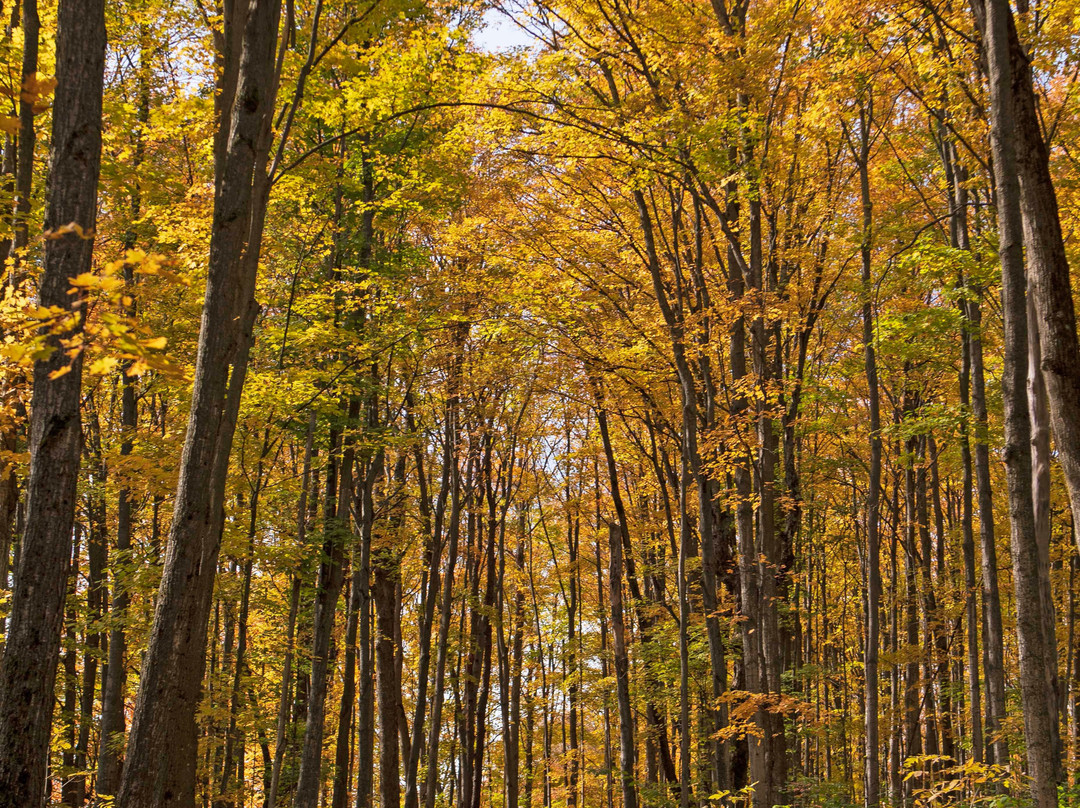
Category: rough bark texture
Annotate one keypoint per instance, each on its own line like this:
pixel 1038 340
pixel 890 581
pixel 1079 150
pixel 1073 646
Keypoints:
pixel 160 768
pixel 28 668
pixel 1048 268
pixel 1029 618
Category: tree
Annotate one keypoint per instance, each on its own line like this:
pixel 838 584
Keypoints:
pixel 32 645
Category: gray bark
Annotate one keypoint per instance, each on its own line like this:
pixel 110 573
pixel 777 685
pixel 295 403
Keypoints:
pixel 1025 553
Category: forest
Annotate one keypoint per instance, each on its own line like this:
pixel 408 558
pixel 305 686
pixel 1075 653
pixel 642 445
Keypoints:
pixel 539 403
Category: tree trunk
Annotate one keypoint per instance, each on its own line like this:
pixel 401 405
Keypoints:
pixel 160 768
pixel 343 751
pixel 24 174
pixel 234 752
pixel 433 533
pixel 294 607
pixel 1025 551
pixel 331 577
pixel 1040 492
pixel 431 781
pixel 28 668
pixel 1048 267
pixel 622 670
pixel 365 757
pixel 384 592
pixel 873 494
pixel 72 789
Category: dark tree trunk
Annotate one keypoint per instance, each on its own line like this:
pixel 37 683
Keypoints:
pixel 160 766
pixel 366 708
pixel 431 782
pixel 382 592
pixel 24 173
pixel 622 670
pixel 872 770
pixel 72 789
pixel 290 631
pixel 28 668
pixel 433 533
pixel 114 687
pixel 343 751
pixel 96 598
pixel 331 578
pixel 234 751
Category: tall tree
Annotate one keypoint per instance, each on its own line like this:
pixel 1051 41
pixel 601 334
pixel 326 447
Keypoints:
pixel 1030 627
pixel 31 652
pixel 160 767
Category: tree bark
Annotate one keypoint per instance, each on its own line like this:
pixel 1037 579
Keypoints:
pixel 1040 494
pixel 290 631
pixel 28 667
pixel 1047 267
pixel 1025 551
pixel 622 670
pixel 331 578
pixel 160 769
pixel 24 173
pixel 873 494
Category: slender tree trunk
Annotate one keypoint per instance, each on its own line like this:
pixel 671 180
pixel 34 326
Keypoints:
pixel 430 595
pixel 365 757
pixel 72 789
pixel 18 159
pixel 382 591
pixel 431 782
pixel 1040 492
pixel 290 631
pixel 873 495
pixel 24 173
pixel 234 753
pixel 96 598
pixel 331 577
pixel 387 573
pixel 622 670
pixel 113 719
pixel 684 631
pixel 997 747
pixel 958 201
pixel 343 750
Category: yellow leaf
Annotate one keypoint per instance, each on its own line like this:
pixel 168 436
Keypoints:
pixel 137 368
pixel 100 367
pixel 86 280
pixel 14 352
